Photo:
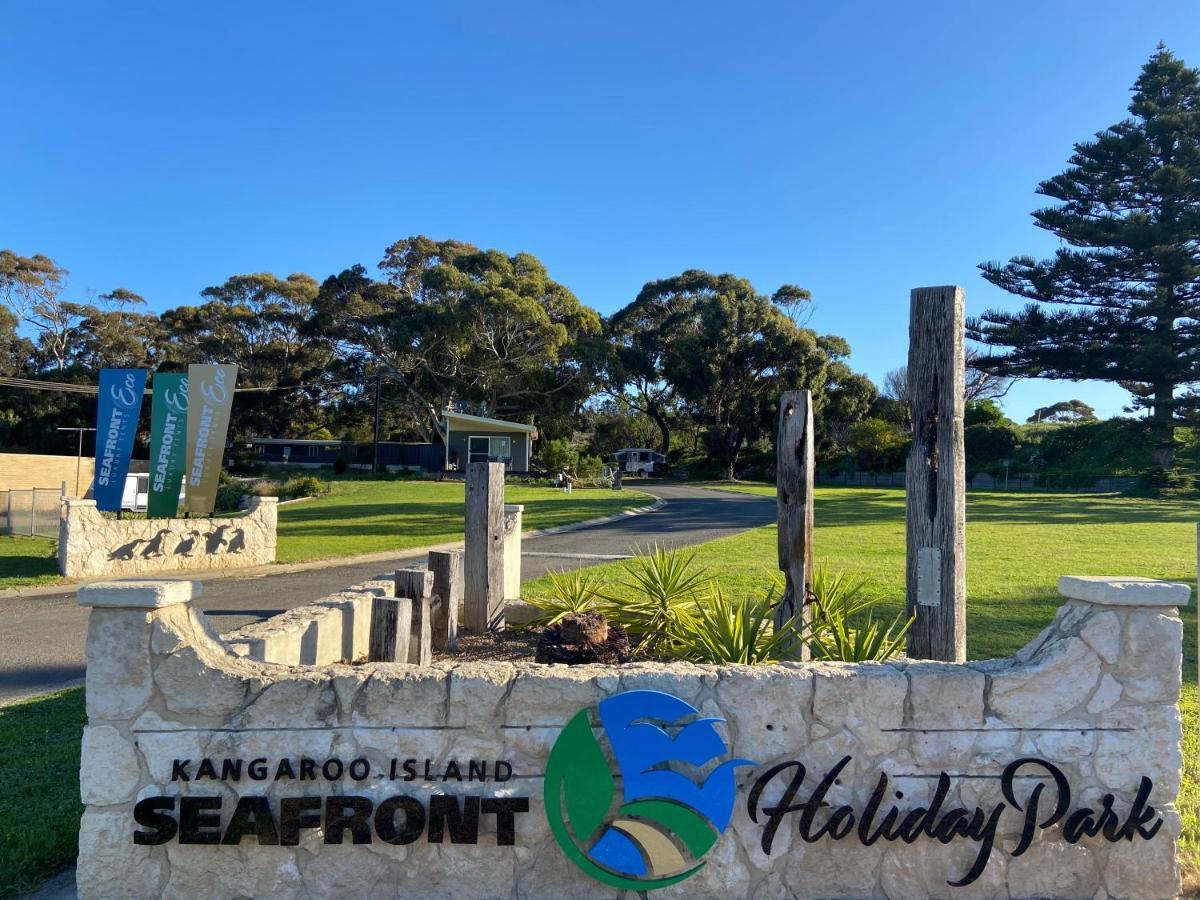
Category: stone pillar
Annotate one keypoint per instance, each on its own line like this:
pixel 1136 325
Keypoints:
pixel 512 550
pixel 267 511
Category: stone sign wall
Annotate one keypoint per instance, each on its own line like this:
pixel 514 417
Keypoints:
pixel 92 545
pixel 1053 773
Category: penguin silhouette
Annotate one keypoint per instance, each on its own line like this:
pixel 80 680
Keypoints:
pixel 237 543
pixel 188 544
pixel 125 551
pixel 214 540
pixel 154 546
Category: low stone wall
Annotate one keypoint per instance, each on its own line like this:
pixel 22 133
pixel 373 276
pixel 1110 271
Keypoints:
pixel 1049 774
pixel 91 545
pixel 334 629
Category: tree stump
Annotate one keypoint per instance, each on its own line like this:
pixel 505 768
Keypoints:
pixel 583 638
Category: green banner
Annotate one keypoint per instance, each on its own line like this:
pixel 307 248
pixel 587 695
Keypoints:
pixel 168 437
pixel 210 398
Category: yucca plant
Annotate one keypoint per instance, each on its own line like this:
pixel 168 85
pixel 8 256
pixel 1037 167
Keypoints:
pixel 737 631
pixel 575 591
pixel 664 589
pixel 839 630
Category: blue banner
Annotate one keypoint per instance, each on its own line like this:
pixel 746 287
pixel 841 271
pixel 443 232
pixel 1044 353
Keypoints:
pixel 116 424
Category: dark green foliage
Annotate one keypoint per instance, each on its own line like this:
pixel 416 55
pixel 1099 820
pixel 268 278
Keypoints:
pixel 990 443
pixel 877 445
pixel 983 412
pixel 557 456
pixel 1064 411
pixel 1119 300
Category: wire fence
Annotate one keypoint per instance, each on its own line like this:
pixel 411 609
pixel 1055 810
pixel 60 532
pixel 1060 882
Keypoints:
pixel 31 511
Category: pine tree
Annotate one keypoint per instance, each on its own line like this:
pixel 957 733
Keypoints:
pixel 1121 301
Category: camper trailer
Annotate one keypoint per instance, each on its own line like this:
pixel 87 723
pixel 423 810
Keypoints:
pixel 639 460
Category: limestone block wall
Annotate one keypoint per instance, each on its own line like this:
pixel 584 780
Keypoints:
pixel 91 545
pixel 334 629
pixel 208 774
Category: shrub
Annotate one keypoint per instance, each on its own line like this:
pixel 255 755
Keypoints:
pixel 665 591
pixel 589 467
pixel 340 465
pixel 558 455
pixel 878 446
pixel 736 631
pixel 570 592
pixel 303 486
pixel 839 631
pixel 229 498
pixel 987 443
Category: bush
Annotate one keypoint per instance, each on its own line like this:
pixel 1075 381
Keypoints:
pixel 340 465
pixel 589 468
pixel 229 498
pixel 665 592
pixel 576 591
pixel 987 443
pixel 878 446
pixel 558 455
pixel 735 631
pixel 303 486
pixel 839 631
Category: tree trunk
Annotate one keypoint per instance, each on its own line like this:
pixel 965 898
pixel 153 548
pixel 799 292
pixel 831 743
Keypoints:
pixel 1162 426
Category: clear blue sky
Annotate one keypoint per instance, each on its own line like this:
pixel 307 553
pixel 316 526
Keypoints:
pixel 858 150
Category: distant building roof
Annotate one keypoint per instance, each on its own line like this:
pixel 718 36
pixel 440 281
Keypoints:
pixel 456 419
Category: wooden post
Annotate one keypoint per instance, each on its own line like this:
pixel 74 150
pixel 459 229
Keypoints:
pixel 794 490
pixel 417 585
pixel 935 508
pixel 446 566
pixel 483 554
pixel 391 622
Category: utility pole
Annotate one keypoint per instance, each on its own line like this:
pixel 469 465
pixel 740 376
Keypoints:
pixel 78 454
pixel 375 442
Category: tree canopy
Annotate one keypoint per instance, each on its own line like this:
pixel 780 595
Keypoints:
pixel 1120 300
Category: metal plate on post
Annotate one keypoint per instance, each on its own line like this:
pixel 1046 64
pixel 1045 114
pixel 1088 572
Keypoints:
pixel 929 576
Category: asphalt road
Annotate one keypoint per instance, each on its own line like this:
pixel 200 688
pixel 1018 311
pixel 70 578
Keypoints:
pixel 42 637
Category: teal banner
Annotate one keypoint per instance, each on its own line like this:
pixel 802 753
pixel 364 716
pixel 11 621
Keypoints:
pixel 168 442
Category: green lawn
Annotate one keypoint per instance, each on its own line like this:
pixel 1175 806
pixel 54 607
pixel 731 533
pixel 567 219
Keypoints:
pixel 27 561
pixel 370 516
pixel 1017 546
pixel 39 806
pixel 362 516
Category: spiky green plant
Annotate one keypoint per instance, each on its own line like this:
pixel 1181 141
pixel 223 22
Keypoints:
pixel 737 631
pixel 662 591
pixel 840 630
pixel 575 591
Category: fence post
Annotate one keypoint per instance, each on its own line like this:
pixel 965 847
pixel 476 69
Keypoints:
pixel 483 553
pixel 794 493
pixel 417 586
pixel 935 505
pixel 447 567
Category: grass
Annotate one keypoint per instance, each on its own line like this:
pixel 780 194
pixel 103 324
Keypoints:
pixel 362 516
pixel 39 806
pixel 26 561
pixel 1017 546
pixel 371 516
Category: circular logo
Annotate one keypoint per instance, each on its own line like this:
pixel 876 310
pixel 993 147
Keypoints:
pixel 675 795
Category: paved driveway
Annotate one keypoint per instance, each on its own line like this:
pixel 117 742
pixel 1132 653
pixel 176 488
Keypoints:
pixel 42 638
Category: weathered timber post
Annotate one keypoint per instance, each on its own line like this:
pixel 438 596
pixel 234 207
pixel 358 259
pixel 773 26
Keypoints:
pixel 417 586
pixel 484 551
pixel 447 569
pixel 390 626
pixel 935 508
pixel 794 489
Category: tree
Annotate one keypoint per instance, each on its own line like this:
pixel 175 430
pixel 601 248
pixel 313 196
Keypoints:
pixel 978 382
pixel 878 446
pixel 261 323
pixel 31 287
pixel 455 323
pixel 1064 411
pixel 728 352
pixel 848 398
pixel 1120 301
